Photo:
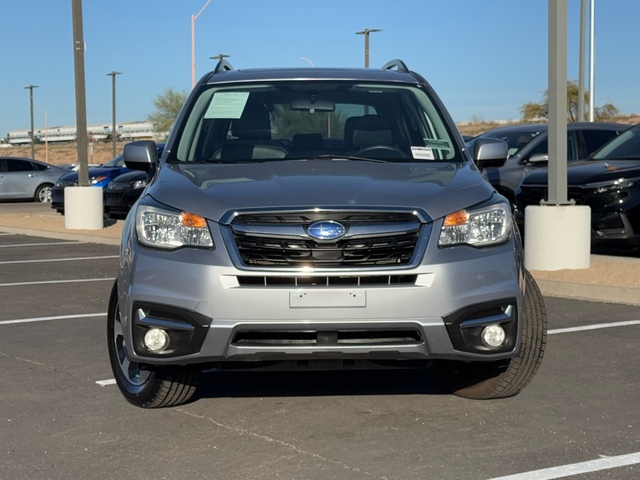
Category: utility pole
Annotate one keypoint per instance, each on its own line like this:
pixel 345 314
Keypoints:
pixel 366 33
pixel 592 54
pixel 219 57
pixel 114 133
pixel 81 103
pixel 31 133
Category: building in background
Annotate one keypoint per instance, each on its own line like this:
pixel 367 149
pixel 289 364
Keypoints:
pixel 125 131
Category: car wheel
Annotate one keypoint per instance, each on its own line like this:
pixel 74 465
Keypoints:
pixel 143 387
pixel 479 380
pixel 43 194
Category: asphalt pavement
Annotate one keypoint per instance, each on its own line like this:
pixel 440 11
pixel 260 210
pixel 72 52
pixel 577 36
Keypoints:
pixel 609 278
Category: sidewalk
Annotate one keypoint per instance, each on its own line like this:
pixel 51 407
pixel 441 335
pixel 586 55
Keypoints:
pixel 608 279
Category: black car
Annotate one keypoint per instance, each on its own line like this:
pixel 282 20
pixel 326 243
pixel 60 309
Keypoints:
pixel 123 191
pixel 98 177
pixel 528 149
pixel 609 183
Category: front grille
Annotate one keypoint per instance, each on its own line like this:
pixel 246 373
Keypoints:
pixel 534 195
pixel 301 338
pixel 373 239
pixel 113 196
pixel 343 281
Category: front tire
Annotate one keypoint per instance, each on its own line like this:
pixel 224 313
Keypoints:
pixel 140 387
pixel 479 380
pixel 43 194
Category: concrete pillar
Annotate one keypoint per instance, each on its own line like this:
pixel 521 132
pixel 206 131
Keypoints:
pixel 557 237
pixel 83 208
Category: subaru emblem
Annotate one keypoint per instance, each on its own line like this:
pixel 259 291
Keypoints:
pixel 326 230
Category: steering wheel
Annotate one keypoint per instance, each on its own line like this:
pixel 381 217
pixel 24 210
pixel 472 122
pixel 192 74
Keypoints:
pixel 383 152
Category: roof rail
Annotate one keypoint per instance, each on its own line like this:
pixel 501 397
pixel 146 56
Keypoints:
pixel 222 66
pixel 397 64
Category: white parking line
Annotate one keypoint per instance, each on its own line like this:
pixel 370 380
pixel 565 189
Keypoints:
pixel 57 260
pixel 597 326
pixel 46 282
pixel 604 463
pixel 40 244
pixel 46 319
pixel 104 383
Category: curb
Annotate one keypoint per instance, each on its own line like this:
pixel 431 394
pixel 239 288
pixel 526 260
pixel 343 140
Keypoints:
pixel 62 235
pixel 592 293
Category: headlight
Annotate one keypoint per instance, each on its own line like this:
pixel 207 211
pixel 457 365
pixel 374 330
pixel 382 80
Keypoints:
pixel 139 184
pixel 481 227
pixel 163 229
pixel 95 180
pixel 611 185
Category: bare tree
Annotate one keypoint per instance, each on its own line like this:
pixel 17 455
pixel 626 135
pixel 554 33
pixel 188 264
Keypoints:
pixel 531 111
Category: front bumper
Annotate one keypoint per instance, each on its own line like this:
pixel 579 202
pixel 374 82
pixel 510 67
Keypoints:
pixel 220 313
pixel 118 204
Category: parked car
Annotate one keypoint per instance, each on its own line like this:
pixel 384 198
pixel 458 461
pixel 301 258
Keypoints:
pixel 528 149
pixel 25 178
pixel 74 167
pixel 609 183
pixel 123 191
pixel 98 177
pixel 320 218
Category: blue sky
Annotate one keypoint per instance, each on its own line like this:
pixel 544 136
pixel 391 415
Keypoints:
pixel 484 58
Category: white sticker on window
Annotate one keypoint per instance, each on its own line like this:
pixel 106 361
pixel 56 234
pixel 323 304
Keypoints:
pixel 440 144
pixel 227 105
pixel 422 153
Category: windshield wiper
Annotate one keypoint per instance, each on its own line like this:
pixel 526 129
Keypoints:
pixel 329 156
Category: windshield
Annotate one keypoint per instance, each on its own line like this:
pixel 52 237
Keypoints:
pixel 516 139
pixel 625 146
pixel 114 162
pixel 303 120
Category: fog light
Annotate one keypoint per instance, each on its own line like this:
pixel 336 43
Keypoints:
pixel 493 336
pixel 156 340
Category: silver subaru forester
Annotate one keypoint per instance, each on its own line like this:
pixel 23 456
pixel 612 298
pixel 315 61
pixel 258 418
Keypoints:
pixel 320 218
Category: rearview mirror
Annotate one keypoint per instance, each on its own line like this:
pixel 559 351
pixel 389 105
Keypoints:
pixel 304 104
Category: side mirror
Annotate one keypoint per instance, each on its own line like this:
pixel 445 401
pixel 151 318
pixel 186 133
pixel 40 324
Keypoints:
pixel 489 152
pixel 538 158
pixel 141 155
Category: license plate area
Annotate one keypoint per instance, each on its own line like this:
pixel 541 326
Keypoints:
pixel 326 298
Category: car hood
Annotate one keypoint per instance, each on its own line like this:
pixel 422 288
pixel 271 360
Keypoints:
pixel 214 190
pixel 96 172
pixel 130 176
pixel 592 171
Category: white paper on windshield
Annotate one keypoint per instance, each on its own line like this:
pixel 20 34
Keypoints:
pixel 227 105
pixel 438 144
pixel 422 153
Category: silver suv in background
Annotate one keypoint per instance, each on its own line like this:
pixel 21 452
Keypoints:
pixel 320 218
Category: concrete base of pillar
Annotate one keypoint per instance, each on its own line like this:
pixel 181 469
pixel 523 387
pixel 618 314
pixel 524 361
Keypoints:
pixel 557 237
pixel 83 208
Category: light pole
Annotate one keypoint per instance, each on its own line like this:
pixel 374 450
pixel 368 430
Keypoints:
pixel 193 44
pixel 114 135
pixel 219 57
pixel 307 60
pixel 33 146
pixel 592 48
pixel 81 100
pixel 366 33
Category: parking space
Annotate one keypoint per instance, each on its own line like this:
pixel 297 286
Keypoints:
pixel 59 422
